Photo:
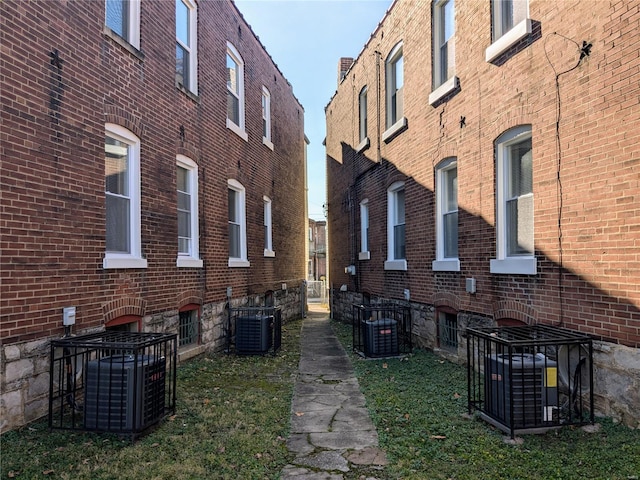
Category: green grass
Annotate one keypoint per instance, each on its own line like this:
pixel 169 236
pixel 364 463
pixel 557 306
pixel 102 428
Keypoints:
pixel 419 406
pixel 232 420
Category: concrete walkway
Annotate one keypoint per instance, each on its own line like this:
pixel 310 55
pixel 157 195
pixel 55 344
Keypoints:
pixel 331 432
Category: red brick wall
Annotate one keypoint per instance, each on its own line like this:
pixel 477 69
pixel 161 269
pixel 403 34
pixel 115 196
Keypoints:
pixel 598 156
pixel 52 182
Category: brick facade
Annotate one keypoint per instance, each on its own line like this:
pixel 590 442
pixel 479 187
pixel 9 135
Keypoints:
pixel 586 175
pixel 65 75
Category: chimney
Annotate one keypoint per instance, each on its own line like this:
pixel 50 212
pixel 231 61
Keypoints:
pixel 344 65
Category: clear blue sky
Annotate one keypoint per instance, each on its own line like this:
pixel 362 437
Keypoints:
pixel 306 39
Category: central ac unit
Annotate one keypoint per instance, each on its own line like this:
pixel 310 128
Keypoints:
pixel 124 393
pixel 381 337
pixel 520 389
pixel 254 334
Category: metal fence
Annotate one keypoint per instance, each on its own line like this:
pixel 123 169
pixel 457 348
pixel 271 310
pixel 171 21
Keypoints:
pixel 530 378
pixel 254 330
pixel 317 291
pixel 118 382
pixel 381 330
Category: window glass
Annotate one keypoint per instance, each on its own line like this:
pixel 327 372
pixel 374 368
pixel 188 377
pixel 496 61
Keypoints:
pixel 233 95
pixel 117 17
pixel 184 211
pixel 399 226
pixel 450 213
pixel 519 199
pixel 118 201
pixel 363 113
pixel 234 225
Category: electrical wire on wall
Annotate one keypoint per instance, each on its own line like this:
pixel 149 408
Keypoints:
pixel 584 51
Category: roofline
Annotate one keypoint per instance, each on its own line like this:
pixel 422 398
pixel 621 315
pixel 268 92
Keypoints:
pixel 233 3
pixel 373 34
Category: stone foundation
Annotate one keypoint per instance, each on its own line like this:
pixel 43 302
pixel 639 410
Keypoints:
pixel 24 367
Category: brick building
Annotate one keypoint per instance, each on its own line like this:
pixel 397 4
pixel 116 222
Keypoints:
pixel 483 167
pixel 152 173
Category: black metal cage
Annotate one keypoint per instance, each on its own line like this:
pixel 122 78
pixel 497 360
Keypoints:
pixel 381 330
pixel 530 378
pixel 112 381
pixel 254 330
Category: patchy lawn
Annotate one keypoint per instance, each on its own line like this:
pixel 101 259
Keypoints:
pixel 419 406
pixel 233 415
pixel 232 420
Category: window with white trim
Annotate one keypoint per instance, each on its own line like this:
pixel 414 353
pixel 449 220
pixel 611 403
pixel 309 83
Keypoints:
pixel 266 117
pixel 235 92
pixel 122 195
pixel 514 203
pixel 444 29
pixel 444 79
pixel 510 23
pixel 122 17
pixel 447 216
pixel 186 44
pixel 396 243
pixel 394 74
pixel 237 225
pixel 268 228
pixel 364 231
pixel 187 195
pixel 362 110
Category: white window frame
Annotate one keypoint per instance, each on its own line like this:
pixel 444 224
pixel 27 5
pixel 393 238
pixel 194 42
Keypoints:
pixel 442 86
pixel 239 128
pixel 443 263
pixel 192 258
pixel 192 48
pixel 133 26
pixel 505 38
pixel 394 123
pixel 266 117
pixel 393 263
pixel 363 120
pixel 268 227
pixel 242 260
pixel 364 253
pixel 505 263
pixel 133 258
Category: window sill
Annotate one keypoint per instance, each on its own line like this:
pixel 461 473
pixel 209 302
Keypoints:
pixel 450 265
pixel 192 95
pixel 123 261
pixel 269 253
pixel 268 143
pixel 364 256
pixel 515 266
pixel 508 40
pixel 444 89
pixel 189 262
pixel 133 49
pixel 395 129
pixel 400 265
pixel 237 130
pixel 239 263
pixel 364 144
pixel 189 351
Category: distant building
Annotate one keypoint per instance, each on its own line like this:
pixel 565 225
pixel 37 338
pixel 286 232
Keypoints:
pixel 153 173
pixel 483 167
pixel 317 269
